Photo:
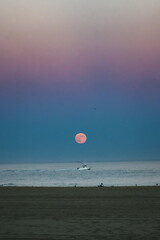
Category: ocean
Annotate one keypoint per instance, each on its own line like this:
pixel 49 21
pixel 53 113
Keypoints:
pixel 146 173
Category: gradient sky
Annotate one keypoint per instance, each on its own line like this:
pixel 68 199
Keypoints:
pixel 69 66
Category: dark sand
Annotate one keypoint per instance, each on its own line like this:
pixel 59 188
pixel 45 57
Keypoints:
pixel 80 213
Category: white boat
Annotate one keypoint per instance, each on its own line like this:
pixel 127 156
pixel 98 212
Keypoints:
pixel 84 167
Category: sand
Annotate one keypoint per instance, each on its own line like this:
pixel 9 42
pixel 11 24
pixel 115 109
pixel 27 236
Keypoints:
pixel 80 213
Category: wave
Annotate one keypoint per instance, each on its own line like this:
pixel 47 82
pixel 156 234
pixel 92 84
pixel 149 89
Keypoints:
pixel 8 184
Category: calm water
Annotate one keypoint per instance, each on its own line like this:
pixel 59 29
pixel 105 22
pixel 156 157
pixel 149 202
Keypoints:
pixel 66 174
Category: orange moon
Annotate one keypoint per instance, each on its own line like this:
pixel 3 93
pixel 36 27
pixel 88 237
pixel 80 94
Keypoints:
pixel 80 138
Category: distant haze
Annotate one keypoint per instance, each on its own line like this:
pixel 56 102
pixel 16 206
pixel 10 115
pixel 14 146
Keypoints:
pixel 70 66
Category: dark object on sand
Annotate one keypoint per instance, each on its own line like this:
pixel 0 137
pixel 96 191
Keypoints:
pixel 101 185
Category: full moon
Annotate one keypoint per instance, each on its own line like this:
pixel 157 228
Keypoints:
pixel 80 138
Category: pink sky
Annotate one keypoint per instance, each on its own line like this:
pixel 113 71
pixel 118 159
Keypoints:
pixel 67 39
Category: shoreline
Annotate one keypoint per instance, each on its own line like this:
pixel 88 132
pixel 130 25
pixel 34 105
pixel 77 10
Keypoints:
pixel 126 186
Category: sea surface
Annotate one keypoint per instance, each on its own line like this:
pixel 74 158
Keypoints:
pixel 66 174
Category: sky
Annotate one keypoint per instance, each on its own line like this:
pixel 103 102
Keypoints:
pixel 70 66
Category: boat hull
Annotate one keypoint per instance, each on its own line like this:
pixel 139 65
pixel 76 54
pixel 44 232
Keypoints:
pixel 83 168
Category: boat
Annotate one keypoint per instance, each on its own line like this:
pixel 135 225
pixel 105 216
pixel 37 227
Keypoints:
pixel 84 167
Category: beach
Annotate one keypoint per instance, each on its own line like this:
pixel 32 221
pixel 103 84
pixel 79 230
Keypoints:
pixel 80 213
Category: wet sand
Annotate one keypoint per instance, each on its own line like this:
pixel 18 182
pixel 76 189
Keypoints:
pixel 80 213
